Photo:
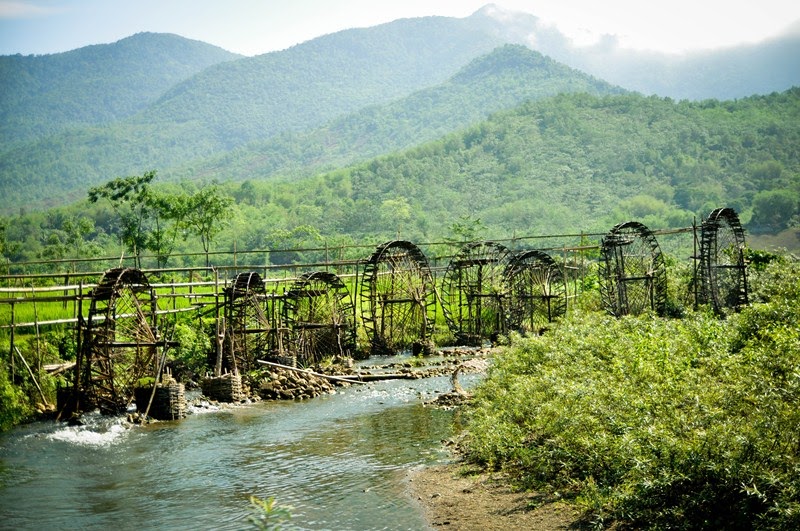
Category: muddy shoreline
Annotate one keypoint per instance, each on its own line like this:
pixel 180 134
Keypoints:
pixel 453 496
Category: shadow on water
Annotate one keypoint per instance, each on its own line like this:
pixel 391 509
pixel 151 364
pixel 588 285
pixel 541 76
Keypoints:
pixel 339 461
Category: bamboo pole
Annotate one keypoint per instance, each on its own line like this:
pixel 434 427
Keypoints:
pixel 11 351
pixel 81 336
pixel 220 328
pixel 161 364
pixel 36 330
pixel 308 371
pixel 32 376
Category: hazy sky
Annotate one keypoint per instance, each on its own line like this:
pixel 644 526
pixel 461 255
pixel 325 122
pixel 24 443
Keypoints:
pixel 251 27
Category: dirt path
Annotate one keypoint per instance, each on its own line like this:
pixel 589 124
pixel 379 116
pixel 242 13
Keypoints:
pixel 483 502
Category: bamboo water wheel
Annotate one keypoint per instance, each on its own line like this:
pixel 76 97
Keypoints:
pixel 319 313
pixel 537 291
pixel 633 276
pixel 248 328
pixel 398 300
pixel 120 340
pixel 723 272
pixel 474 292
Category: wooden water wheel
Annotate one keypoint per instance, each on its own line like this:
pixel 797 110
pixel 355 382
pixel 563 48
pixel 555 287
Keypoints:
pixel 537 291
pixel 120 340
pixel 723 272
pixel 248 328
pixel 318 311
pixel 474 292
pixel 398 299
pixel 633 276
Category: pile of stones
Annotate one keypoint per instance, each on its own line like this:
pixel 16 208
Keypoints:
pixel 282 384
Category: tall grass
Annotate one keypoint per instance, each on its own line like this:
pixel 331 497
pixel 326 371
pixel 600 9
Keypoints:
pixel 691 423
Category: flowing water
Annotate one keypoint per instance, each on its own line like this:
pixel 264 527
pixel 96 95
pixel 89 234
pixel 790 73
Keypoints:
pixel 339 461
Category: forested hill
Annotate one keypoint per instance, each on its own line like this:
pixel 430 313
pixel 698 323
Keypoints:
pixel 499 80
pixel 311 83
pixel 42 95
pixel 67 123
pixel 255 98
pixel 569 163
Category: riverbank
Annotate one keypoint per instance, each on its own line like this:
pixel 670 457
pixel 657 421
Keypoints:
pixel 452 496
pixel 459 497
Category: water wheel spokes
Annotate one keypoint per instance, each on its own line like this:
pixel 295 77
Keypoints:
pixel 248 328
pixel 722 265
pixel 319 313
pixel 397 298
pixel 537 291
pixel 121 339
pixel 474 291
pixel 633 277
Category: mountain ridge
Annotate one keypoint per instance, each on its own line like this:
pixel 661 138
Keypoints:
pixel 218 109
pixel 502 79
pixel 96 84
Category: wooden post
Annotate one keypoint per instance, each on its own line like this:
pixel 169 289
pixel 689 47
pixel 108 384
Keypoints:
pixel 695 259
pixel 36 327
pixel 11 350
pixel 356 302
pixel 82 324
pixel 566 282
pixel 583 263
pixel 220 327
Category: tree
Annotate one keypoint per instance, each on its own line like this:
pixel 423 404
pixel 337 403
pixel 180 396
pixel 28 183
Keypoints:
pixel 396 213
pixel 169 216
pixel 76 230
pixel 285 244
pixel 466 229
pixel 130 199
pixel 205 214
pixel 772 209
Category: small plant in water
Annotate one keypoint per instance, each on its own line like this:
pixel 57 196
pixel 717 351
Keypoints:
pixel 417 361
pixel 267 515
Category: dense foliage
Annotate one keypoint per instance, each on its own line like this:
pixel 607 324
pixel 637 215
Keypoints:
pixel 690 423
pixel 502 79
pixel 75 120
pixel 253 98
pixel 43 95
pixel 560 165
pixel 14 406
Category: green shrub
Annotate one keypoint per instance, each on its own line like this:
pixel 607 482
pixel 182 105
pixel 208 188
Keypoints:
pixel 268 515
pixel 190 357
pixel 14 404
pixel 690 423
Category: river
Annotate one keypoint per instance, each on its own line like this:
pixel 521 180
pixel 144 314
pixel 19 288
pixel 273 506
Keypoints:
pixel 338 461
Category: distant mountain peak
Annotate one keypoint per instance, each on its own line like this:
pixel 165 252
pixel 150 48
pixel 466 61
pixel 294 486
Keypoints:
pixel 496 12
pixel 508 56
